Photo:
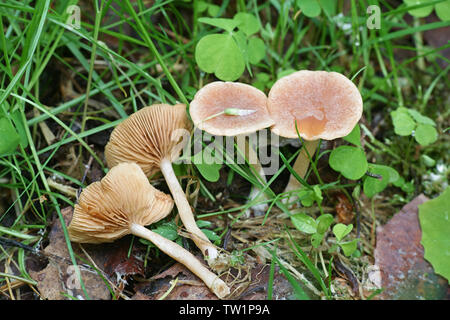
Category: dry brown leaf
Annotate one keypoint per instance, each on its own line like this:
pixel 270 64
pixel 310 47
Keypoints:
pixel 58 279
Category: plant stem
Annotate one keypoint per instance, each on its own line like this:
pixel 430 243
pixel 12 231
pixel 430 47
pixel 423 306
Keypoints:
pixel 212 281
pixel 184 209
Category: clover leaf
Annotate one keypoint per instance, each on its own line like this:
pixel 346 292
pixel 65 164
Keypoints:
pixel 443 10
pixel 304 223
pixel 425 134
pixel 219 54
pixel 208 168
pixel 340 230
pixel 419 12
pixel 354 137
pixel 310 8
pixel 10 139
pixel 373 185
pixel 247 23
pixel 350 161
pixel 404 124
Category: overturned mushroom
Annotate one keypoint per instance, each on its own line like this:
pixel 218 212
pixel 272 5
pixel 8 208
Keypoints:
pixel 232 109
pixel 151 138
pixel 122 203
pixel 320 104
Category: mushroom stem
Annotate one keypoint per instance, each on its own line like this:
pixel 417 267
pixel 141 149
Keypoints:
pixel 250 154
pixel 301 165
pixel 212 281
pixel 184 209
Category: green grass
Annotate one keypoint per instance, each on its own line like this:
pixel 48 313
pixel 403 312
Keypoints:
pixel 132 54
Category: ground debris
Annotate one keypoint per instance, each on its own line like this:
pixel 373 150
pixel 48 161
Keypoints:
pixel 245 284
pixel 58 280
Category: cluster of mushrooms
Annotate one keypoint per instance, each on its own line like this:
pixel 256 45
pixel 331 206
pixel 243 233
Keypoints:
pixel 317 104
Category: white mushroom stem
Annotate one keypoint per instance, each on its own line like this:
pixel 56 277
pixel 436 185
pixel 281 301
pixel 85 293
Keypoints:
pixel 301 165
pixel 184 209
pixel 255 164
pixel 212 281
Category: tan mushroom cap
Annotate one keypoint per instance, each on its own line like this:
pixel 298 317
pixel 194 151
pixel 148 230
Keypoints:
pixel 149 135
pixel 108 207
pixel 325 105
pixel 217 96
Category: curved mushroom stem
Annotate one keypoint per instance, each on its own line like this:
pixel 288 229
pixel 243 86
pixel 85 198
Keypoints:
pixel 301 166
pixel 209 251
pixel 212 281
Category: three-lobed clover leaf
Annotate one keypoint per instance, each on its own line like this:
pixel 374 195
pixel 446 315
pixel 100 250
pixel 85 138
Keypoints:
pixel 410 122
pixel 220 54
pixel 227 54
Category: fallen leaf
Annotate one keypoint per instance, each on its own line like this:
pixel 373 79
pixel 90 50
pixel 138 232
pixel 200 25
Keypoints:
pixel 404 273
pixel 58 280
pixel 344 209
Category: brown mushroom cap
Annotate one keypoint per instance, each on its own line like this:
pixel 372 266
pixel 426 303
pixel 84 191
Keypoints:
pixel 325 105
pixel 108 207
pixel 148 136
pixel 217 96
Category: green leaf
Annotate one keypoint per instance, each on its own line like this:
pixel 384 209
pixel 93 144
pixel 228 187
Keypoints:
pixel 256 50
pixel 213 10
pixel 349 247
pixel 340 230
pixel 9 138
pixel 329 7
pixel 420 118
pixel 16 116
pixel 350 161
pixel 211 235
pixel 208 168
pixel 434 217
pixel 247 23
pixel 168 230
pixel 428 161
pixel 443 10
pixel 222 23
pixel 425 134
pixel 306 197
pixel 419 12
pixel 219 54
pixel 372 185
pixel 317 194
pixel 310 8
pixel 304 223
pixel 402 121
pixel 324 222
pixel 354 136
pixel 316 239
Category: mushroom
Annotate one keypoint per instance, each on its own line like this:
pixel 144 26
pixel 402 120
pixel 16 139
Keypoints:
pixel 150 137
pixel 232 109
pixel 322 105
pixel 124 202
